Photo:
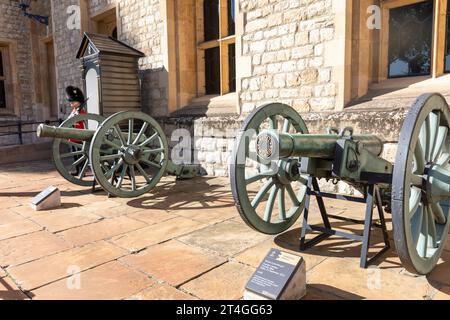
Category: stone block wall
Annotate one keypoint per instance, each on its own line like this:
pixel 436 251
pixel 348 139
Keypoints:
pixel 286 40
pixel 15 30
pixel 67 42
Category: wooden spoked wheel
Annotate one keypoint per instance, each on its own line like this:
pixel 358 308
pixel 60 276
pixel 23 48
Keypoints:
pixel 269 194
pixel 421 184
pixel 129 154
pixel 71 157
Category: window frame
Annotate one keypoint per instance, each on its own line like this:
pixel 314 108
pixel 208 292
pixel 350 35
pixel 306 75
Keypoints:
pixel 438 36
pixel 223 43
pixel 10 78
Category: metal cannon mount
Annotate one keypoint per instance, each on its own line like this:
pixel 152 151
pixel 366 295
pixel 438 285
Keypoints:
pixel 127 153
pixel 276 166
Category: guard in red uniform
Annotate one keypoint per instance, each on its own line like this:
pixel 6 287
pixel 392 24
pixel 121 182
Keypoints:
pixel 77 102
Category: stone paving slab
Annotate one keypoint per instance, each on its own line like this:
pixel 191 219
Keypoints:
pixel 226 238
pixel 110 281
pixel 162 292
pixel 226 282
pixel 173 262
pixel 63 264
pixel 183 240
pixel 30 247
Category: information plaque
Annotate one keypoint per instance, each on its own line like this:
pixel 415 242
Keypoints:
pixel 280 276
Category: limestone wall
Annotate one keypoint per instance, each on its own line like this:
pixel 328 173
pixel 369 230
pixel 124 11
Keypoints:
pixel 16 32
pixel 286 40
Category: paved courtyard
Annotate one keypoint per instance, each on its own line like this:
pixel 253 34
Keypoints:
pixel 183 241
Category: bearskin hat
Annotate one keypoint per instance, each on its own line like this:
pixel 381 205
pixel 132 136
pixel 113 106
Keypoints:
pixel 74 94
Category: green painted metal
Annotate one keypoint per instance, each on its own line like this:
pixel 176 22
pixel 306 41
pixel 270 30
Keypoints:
pixel 127 154
pixel 126 165
pixel 311 145
pixel 260 187
pixel 44 131
pixel 421 185
pixel 275 140
pixel 65 151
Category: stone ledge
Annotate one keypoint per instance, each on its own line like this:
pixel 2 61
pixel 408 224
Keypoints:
pixel 25 152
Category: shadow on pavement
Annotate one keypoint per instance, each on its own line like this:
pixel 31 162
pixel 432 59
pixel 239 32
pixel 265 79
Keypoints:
pixel 186 194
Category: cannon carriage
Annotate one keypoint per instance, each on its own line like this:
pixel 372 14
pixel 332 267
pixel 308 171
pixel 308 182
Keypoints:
pixel 127 154
pixel 276 165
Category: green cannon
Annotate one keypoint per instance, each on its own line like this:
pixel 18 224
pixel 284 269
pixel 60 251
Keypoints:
pixel 127 153
pixel 276 165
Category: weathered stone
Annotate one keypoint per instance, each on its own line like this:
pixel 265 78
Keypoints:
pixel 226 238
pixel 60 265
pixel 29 247
pixel 224 283
pixel 162 292
pixel 163 262
pixel 96 284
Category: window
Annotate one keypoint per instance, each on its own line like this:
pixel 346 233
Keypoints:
pixel 218 47
pixel 410 40
pixel 2 82
pixel 105 22
pixel 447 45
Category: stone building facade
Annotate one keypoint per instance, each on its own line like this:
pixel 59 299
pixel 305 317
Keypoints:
pixel 331 60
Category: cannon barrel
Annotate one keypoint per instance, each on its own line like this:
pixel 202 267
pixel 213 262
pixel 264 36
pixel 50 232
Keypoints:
pixel 271 145
pixel 44 131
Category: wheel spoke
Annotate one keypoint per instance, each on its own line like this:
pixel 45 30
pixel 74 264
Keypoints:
pixel 262 192
pixel 423 140
pixel 149 140
pixel 417 226
pixel 419 156
pixel 416 180
pixel 72 144
pixel 423 237
pixel 414 201
pixel 72 154
pixel 133 178
pixel 111 144
pixel 292 195
pixel 110 157
pixel 440 140
pixel 142 171
pixel 153 151
pixel 113 169
pixel 79 161
pixel 119 133
pixel 282 204
pixel 438 214
pixel 259 176
pixel 432 241
pixel 432 129
pixel 270 203
pixel 273 122
pixel 122 176
pixel 286 125
pixel 83 170
pixel 141 132
pixel 150 163
pixel 130 129
pixel 444 159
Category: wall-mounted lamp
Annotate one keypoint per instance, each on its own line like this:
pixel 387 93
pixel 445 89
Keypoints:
pixel 25 5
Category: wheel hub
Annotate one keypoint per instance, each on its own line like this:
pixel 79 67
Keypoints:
pixel 131 154
pixel 289 171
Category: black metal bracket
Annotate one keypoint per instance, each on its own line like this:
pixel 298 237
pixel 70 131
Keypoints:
pixel 326 231
pixel 37 17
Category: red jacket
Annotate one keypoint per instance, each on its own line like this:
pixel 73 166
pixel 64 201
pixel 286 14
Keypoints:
pixel 78 125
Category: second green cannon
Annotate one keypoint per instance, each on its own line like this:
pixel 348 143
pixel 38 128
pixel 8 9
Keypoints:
pixel 127 154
